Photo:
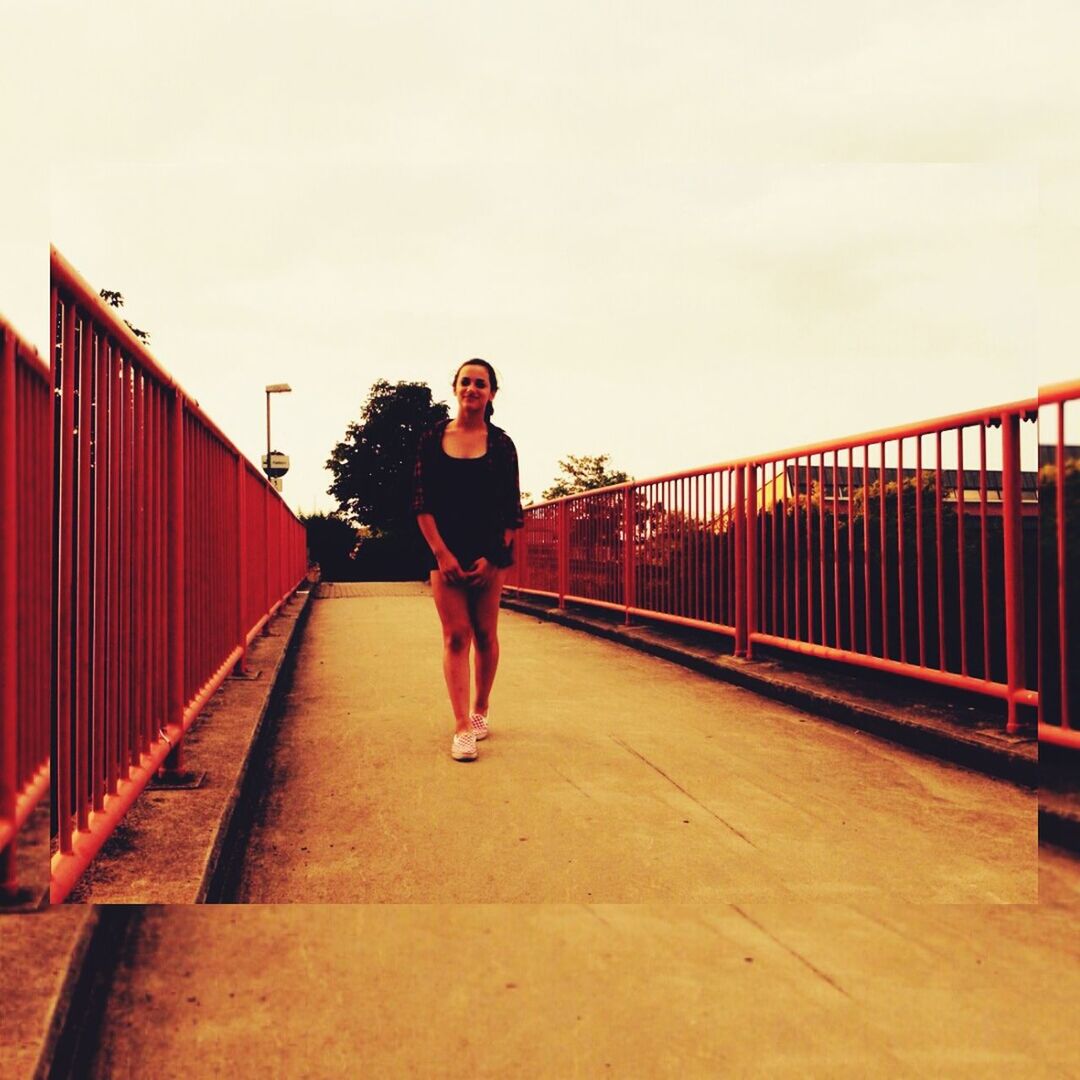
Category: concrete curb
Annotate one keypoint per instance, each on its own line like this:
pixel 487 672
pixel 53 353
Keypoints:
pixel 1016 762
pixel 235 819
pixel 79 1006
pixel 1059 798
pixel 1060 828
pixel 1059 810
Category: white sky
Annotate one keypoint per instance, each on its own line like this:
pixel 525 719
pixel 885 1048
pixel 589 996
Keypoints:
pixel 682 233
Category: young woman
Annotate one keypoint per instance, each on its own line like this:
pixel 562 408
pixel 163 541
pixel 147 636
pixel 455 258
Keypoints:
pixel 468 506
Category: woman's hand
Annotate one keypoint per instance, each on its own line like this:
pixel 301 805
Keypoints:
pixel 481 573
pixel 450 568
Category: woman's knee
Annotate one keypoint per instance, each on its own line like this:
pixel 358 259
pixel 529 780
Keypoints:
pixel 486 638
pixel 457 638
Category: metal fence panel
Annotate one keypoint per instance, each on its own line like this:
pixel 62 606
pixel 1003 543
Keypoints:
pixel 161 575
pixel 25 512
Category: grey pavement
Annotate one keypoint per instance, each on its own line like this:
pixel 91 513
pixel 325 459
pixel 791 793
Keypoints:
pixel 610 776
pixel 40 954
pixel 872 988
pixel 1059 877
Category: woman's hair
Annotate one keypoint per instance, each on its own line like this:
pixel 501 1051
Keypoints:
pixel 493 381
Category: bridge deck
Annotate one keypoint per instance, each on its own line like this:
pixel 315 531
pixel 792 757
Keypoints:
pixel 609 777
pixel 701 990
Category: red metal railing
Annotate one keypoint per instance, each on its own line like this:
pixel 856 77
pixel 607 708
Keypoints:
pixel 679 568
pixel 25 509
pixel 1059 504
pixel 910 551
pixel 904 551
pixel 170 552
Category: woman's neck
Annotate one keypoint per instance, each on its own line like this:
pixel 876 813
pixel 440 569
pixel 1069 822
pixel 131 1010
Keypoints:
pixel 470 422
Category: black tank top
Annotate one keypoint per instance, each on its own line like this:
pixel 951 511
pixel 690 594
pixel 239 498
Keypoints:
pixel 464 506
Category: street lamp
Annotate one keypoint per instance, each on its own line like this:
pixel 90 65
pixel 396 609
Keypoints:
pixel 273 388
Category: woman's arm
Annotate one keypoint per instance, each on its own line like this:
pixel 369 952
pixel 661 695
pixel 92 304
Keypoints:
pixel 511 518
pixel 514 515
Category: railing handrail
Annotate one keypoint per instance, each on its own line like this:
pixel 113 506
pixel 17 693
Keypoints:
pixel 1027 408
pixel 24 350
pixel 1054 393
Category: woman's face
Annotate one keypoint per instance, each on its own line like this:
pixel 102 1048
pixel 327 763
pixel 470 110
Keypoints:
pixel 473 388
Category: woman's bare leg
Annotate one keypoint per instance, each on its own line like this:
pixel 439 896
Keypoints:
pixel 483 604
pixel 453 609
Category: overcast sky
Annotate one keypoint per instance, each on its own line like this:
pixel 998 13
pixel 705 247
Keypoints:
pixel 682 233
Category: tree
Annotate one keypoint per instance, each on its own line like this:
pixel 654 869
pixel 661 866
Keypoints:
pixel 584 474
pixel 331 541
pixel 373 465
pixel 116 300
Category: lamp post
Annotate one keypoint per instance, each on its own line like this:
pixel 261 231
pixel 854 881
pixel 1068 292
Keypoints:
pixel 273 388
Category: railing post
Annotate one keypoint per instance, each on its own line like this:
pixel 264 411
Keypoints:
pixel 629 594
pixel 62 550
pixel 9 619
pixel 563 562
pixel 267 594
pixel 99 706
pixel 740 561
pixel 751 557
pixel 174 760
pixel 241 564
pixel 81 568
pixel 1062 574
pixel 1014 563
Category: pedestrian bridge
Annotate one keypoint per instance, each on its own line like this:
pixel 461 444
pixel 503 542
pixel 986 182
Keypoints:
pixel 934 554
pixel 676 816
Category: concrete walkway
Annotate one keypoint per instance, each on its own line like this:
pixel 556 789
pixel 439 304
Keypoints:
pixel 705 990
pixel 40 957
pixel 1059 877
pixel 610 777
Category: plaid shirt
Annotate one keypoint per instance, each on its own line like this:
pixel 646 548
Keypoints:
pixel 502 463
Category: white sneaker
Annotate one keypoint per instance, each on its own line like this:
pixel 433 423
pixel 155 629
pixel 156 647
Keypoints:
pixel 479 725
pixel 463 748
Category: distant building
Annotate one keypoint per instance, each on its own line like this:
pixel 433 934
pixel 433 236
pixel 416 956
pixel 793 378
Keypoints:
pixel 1048 454
pixel 793 482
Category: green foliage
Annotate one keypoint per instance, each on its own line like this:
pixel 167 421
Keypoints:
pixel 843 562
pixel 584 473
pixel 115 299
pixel 331 541
pixel 373 465
pixel 373 469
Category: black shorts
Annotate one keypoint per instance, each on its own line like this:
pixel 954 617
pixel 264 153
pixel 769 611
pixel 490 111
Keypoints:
pixel 469 546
